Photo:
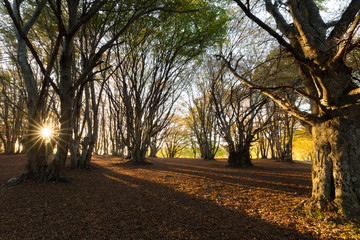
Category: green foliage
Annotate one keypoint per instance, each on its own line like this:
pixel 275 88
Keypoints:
pixel 190 27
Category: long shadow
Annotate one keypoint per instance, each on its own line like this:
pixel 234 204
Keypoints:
pixel 285 180
pixel 279 184
pixel 285 167
pixel 187 217
pixel 104 204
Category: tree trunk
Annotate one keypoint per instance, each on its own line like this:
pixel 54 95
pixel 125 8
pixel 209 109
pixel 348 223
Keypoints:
pixel 74 151
pixel 67 96
pixel 240 157
pixel 85 143
pixel 209 156
pixel 64 137
pixel 138 155
pixel 37 158
pixel 153 149
pixel 335 174
pixel 37 153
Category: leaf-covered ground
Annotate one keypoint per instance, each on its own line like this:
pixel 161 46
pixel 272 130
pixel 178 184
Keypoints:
pixel 171 199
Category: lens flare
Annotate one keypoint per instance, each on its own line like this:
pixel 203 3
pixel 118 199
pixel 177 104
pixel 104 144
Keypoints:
pixel 46 132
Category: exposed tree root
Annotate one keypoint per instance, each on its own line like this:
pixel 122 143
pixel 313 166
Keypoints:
pixel 12 182
pixel 313 207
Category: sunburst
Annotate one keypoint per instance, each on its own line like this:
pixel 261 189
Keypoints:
pixel 46 133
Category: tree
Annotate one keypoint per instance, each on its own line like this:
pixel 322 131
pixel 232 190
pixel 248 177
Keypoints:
pixel 157 141
pixel 24 16
pixel 202 121
pixel 236 108
pixel 12 114
pixel 280 135
pixel 175 139
pixel 320 48
pixel 151 67
pixel 278 69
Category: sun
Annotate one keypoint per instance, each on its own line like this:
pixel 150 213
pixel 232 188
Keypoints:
pixel 46 132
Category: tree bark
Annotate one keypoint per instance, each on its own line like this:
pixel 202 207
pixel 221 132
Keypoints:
pixel 67 96
pixel 37 153
pixel 334 94
pixel 240 157
pixel 335 174
pixel 153 149
pixel 138 155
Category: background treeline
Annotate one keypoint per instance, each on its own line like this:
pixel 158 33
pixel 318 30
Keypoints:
pixel 144 83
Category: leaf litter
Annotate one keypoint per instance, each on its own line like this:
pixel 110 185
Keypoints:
pixel 171 199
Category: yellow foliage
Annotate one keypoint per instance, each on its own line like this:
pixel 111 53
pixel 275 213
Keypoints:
pixel 302 144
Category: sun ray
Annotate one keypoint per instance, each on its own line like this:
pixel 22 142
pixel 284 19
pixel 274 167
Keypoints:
pixel 46 132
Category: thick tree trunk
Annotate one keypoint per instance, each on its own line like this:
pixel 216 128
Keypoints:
pixel 336 164
pixel 37 154
pixel 240 157
pixel 209 156
pixel 138 156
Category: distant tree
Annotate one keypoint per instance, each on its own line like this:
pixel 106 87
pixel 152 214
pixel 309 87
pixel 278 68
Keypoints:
pixel 151 65
pixel 175 140
pixel 202 121
pixel 12 115
pixel 236 109
pixel 280 135
pixel 157 141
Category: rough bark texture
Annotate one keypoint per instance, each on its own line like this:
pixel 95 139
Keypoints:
pixel 67 96
pixel 321 51
pixel 335 165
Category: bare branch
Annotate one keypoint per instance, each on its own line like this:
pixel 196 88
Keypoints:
pixel 289 107
pixel 345 21
pixel 281 23
pixel 345 44
pixel 295 90
pixel 298 56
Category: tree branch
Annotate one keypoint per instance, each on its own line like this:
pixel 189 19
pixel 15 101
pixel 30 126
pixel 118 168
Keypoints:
pixel 342 25
pixel 282 25
pixel 298 56
pixel 291 108
pixel 346 42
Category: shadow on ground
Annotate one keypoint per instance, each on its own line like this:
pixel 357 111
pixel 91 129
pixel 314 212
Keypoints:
pixel 127 203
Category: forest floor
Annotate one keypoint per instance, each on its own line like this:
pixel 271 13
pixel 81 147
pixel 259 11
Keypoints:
pixel 171 199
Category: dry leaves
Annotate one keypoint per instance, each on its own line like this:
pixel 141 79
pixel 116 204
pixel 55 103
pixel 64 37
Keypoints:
pixel 172 199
